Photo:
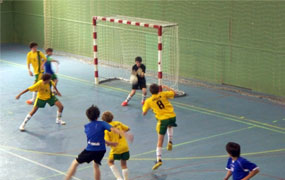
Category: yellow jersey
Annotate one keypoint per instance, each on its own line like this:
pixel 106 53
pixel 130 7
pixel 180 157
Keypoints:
pixel 32 58
pixel 122 146
pixel 44 90
pixel 160 105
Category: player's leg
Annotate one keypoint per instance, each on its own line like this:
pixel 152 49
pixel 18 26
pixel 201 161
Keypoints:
pixel 158 163
pixel 144 91
pixel 72 169
pixel 113 168
pixel 28 117
pixel 171 124
pixel 59 111
pixel 132 93
pixel 125 170
pixel 97 173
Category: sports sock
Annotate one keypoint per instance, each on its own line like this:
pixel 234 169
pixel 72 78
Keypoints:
pixel 27 118
pixel 115 172
pixel 125 174
pixel 34 96
pixel 58 115
pixel 129 98
pixel 158 153
pixel 143 97
pixel 170 133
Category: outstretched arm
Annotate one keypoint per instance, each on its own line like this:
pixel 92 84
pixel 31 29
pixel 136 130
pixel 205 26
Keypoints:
pixel 19 95
pixel 168 88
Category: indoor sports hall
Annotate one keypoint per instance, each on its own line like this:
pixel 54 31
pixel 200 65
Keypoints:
pixel 224 59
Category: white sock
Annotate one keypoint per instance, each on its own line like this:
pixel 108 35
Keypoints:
pixel 158 153
pixel 27 118
pixel 34 96
pixel 125 174
pixel 129 98
pixel 143 97
pixel 115 172
pixel 58 115
pixel 170 133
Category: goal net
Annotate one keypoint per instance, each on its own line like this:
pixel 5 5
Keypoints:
pixel 117 40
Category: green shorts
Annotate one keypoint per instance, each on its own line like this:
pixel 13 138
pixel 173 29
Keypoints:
pixel 123 156
pixel 53 77
pixel 42 103
pixel 38 77
pixel 162 125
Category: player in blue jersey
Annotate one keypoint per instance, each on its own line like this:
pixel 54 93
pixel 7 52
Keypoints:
pixel 239 167
pixel 48 66
pixel 96 148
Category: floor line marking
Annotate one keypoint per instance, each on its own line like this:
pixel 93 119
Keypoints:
pixel 37 163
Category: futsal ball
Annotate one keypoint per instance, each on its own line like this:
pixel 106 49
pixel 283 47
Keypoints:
pixel 133 79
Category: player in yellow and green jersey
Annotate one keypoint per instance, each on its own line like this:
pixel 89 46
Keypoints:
pixel 119 152
pixel 36 58
pixel 165 115
pixel 43 87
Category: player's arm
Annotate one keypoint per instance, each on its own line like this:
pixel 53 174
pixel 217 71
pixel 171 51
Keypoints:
pixel 251 174
pixel 56 61
pixel 145 108
pixel 57 92
pixel 109 143
pixel 23 92
pixel 44 59
pixel 168 89
pixel 28 65
pixel 228 175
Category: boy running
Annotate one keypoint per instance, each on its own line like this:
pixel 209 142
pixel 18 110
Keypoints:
pixel 120 152
pixel 139 70
pixel 96 148
pixel 165 115
pixel 36 58
pixel 43 87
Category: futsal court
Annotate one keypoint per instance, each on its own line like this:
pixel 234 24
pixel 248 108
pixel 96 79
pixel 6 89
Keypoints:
pixel 207 119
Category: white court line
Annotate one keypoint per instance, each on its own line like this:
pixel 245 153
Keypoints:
pixel 37 163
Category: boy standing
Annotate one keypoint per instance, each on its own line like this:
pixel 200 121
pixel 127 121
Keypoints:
pixel 120 152
pixel 43 87
pixel 48 67
pixel 36 58
pixel 96 148
pixel 165 115
pixel 139 70
pixel 239 167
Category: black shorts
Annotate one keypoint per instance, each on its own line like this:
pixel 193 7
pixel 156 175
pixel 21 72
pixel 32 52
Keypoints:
pixel 141 84
pixel 88 156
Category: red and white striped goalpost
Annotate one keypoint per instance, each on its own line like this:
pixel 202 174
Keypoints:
pixel 132 23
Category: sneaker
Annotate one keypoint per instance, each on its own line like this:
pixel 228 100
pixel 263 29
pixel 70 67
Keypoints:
pixel 142 102
pixel 59 121
pixel 22 127
pixel 157 165
pixel 62 122
pixel 125 103
pixel 169 146
pixel 30 102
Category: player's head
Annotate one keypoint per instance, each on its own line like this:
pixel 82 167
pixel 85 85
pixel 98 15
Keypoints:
pixel 33 46
pixel 138 61
pixel 233 149
pixel 107 116
pixel 93 113
pixel 49 51
pixel 154 89
pixel 46 78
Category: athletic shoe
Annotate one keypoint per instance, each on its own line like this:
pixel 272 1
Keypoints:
pixel 22 127
pixel 59 121
pixel 169 146
pixel 62 122
pixel 30 102
pixel 142 102
pixel 157 165
pixel 125 103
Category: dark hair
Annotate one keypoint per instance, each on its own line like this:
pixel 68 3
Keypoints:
pixel 154 89
pixel 233 149
pixel 93 113
pixel 139 59
pixel 107 116
pixel 46 76
pixel 33 44
pixel 49 50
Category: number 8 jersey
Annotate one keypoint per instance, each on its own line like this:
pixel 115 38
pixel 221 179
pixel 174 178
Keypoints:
pixel 160 105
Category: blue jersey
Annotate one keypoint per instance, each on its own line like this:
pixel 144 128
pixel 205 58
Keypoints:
pixel 95 135
pixel 48 68
pixel 240 168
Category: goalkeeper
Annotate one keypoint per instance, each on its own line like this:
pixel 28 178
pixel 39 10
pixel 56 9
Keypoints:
pixel 138 70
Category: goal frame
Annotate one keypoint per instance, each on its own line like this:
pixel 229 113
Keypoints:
pixel 158 27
